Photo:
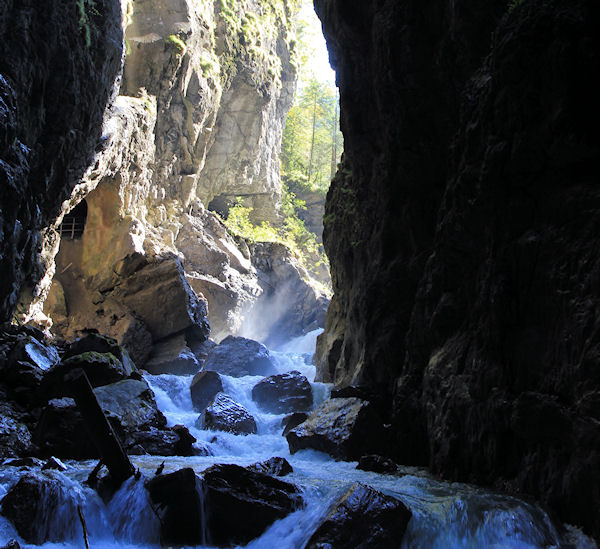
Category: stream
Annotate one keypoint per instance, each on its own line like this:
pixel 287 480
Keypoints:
pixel 445 515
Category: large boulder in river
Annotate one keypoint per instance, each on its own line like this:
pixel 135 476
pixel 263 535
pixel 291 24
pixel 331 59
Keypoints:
pixel 362 517
pixel 239 356
pixel 241 504
pixel 344 428
pixel 61 432
pixel 100 368
pixel 283 393
pixel 176 499
pixel 225 414
pixel 277 466
pixel 33 505
pixel 205 386
pixel 292 420
pixel 172 356
pixel 132 401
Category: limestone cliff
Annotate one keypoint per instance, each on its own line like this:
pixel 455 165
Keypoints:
pixel 462 234
pixel 205 92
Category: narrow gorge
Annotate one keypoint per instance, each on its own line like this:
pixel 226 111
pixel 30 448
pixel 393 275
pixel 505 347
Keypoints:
pixel 177 368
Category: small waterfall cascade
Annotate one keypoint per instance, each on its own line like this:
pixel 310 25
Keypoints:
pixel 445 515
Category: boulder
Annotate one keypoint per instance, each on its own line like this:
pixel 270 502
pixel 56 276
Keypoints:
pixel 293 420
pixel 377 464
pixel 283 393
pixel 23 462
pixel 100 368
pixel 12 544
pixel 61 432
pixel 224 414
pixel 176 498
pixel 172 356
pixel 362 517
pixel 34 351
pixel 170 441
pixel 239 356
pixel 33 505
pixel 204 387
pixel 101 344
pixel 132 401
pixel 277 466
pixel 345 428
pixel 241 504
pixel 161 297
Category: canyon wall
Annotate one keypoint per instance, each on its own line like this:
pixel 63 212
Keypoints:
pixel 59 69
pixel 462 233
pixel 205 92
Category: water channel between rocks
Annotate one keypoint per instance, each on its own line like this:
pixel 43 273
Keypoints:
pixel 445 515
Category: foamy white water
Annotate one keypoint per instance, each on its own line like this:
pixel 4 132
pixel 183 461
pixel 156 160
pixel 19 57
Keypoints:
pixel 445 516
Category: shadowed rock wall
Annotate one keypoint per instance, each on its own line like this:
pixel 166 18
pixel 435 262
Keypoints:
pixel 462 232
pixel 58 68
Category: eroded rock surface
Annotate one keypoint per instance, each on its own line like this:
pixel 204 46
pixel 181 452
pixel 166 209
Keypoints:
pixel 461 230
pixel 283 393
pixel 341 427
pixel 225 414
pixel 362 517
pixel 240 356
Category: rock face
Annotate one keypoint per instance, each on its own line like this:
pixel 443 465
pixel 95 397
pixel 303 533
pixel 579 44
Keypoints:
pixel 52 101
pixel 341 427
pixel 362 517
pixel 283 393
pixel 461 233
pixel 177 501
pixel 241 504
pixel 205 386
pixel 205 92
pixel 224 414
pixel 240 356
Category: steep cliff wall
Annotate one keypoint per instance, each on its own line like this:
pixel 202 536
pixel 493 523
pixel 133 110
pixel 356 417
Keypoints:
pixel 462 234
pixel 205 92
pixel 58 66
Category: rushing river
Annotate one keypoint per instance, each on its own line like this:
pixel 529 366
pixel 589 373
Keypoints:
pixel 445 515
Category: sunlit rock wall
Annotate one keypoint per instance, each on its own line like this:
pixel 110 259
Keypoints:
pixel 462 232
pixel 205 92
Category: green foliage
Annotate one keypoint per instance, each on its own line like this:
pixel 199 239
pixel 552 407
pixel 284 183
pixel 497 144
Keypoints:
pixel 292 233
pixel 514 4
pixel 177 43
pixel 312 142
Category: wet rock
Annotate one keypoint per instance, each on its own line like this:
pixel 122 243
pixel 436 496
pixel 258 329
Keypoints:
pixel 277 466
pixel 177 500
pixel 293 420
pixel 172 356
pixel 34 502
pixel 12 544
pixel 239 356
pixel 283 393
pixel 132 401
pixel 377 464
pixel 241 504
pixel 205 385
pixel 61 432
pixel 54 463
pixel 34 351
pixel 224 414
pixel 362 517
pixel 162 442
pixel 100 368
pixel 342 427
